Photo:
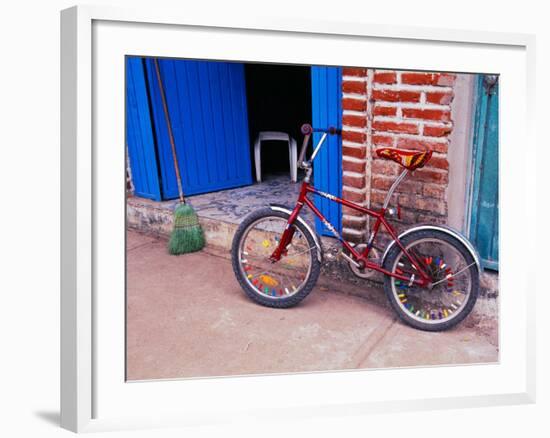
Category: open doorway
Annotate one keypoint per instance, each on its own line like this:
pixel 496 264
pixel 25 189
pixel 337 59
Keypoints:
pixel 279 99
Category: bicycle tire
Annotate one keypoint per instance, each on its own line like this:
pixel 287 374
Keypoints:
pixel 248 288
pixel 408 316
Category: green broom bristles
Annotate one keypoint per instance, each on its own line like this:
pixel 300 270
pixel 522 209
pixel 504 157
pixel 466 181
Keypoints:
pixel 187 235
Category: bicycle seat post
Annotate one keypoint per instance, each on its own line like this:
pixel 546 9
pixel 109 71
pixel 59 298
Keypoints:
pixel 393 187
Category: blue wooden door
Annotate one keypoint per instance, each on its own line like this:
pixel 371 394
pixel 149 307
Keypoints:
pixel 208 111
pixel 139 133
pixel 484 194
pixel 326 94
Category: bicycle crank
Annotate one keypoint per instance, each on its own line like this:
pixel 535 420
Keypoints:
pixel 355 267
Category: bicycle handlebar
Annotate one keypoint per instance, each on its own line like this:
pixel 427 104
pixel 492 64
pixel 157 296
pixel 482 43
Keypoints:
pixel 308 129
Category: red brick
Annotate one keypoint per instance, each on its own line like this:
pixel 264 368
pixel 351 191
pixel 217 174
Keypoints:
pixel 384 183
pixel 354 71
pixel 358 87
pixel 432 219
pixel 354 166
pixel 439 97
pixel 358 225
pixel 353 181
pixel 381 183
pixel 421 203
pixel 352 237
pixel 382 140
pixel 434 191
pixel 438 163
pixel 384 167
pixel 427 114
pixel 432 205
pixel 417 78
pixel 437 131
pixel 356 137
pixel 413 143
pixel 354 104
pixel 408 216
pixel 351 212
pixel 377 197
pixel 353 196
pixel 407 128
pixel 356 152
pixel 431 176
pixel 357 121
pixel 410 186
pixel 384 110
pixel 396 96
pixel 385 77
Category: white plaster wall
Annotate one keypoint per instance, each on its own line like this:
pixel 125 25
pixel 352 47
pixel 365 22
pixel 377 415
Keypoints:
pixel 459 155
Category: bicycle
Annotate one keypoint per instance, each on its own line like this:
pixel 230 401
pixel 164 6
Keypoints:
pixel 431 272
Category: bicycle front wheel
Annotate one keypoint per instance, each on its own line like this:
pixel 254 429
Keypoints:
pixel 283 283
pixel 454 280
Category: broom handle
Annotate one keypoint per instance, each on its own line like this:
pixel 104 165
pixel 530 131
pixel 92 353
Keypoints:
pixel 169 126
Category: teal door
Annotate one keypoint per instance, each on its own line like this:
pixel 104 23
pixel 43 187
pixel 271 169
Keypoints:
pixel 484 188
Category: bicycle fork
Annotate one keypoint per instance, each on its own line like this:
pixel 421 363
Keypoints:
pixel 287 235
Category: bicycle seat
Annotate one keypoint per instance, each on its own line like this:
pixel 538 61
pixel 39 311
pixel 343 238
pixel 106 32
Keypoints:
pixel 409 159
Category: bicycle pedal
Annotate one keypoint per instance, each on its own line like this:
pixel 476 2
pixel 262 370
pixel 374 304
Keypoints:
pixel 332 253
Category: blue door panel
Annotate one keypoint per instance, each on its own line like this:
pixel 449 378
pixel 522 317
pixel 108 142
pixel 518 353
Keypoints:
pixel 326 83
pixel 207 107
pixel 484 229
pixel 217 92
pixel 139 133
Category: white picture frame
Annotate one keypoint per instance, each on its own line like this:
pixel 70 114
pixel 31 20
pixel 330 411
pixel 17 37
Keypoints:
pixel 93 396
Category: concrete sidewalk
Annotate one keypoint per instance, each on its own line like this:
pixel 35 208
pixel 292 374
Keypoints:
pixel 188 317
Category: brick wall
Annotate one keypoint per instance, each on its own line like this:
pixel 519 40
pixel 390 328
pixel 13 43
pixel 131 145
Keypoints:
pixel 383 108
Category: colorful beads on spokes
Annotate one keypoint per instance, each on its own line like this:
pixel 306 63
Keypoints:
pixel 437 267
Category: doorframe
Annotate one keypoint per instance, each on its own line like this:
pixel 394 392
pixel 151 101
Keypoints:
pixel 463 108
pixel 468 206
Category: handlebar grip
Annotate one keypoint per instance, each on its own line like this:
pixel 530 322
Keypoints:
pixel 332 130
pixel 306 129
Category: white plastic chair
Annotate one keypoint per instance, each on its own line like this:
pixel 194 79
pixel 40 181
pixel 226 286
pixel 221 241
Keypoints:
pixel 276 136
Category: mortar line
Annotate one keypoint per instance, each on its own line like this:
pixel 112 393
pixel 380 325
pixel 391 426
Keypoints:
pixel 368 173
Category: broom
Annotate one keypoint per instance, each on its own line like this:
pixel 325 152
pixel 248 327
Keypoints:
pixel 187 235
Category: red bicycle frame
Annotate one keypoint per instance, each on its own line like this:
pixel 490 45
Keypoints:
pixel 420 277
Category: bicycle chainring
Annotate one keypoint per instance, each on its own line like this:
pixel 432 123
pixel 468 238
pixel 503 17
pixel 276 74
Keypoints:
pixel 373 256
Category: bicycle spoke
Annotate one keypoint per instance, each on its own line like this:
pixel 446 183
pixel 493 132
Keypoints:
pixel 455 274
pixel 275 278
pixel 446 294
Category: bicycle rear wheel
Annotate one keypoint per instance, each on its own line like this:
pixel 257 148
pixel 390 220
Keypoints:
pixel 454 276
pixel 274 284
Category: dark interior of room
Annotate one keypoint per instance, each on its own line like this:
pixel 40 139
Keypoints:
pixel 279 99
